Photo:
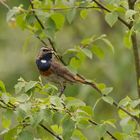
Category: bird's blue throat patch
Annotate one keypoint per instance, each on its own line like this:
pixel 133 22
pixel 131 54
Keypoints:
pixel 44 63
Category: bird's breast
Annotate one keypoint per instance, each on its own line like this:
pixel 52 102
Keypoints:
pixel 46 72
pixel 43 65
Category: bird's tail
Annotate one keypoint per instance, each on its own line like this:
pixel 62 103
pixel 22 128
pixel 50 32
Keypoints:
pixel 82 80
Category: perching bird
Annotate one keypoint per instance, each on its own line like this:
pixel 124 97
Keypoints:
pixel 55 71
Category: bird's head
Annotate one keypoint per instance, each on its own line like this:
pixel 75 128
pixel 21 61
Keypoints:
pixel 45 53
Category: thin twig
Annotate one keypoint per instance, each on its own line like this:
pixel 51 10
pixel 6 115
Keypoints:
pixel 7 105
pixel 43 42
pixel 4 4
pixel 40 23
pixel 124 110
pixel 106 9
pixel 52 133
pixel 94 123
pixel 67 8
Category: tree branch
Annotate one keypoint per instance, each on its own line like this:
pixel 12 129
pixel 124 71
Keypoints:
pixel 121 108
pixel 94 123
pixel 131 4
pixel 52 133
pixel 106 9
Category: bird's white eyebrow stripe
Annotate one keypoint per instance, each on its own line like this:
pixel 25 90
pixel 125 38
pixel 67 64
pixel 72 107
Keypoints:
pixel 43 61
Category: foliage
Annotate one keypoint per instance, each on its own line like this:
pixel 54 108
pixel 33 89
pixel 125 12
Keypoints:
pixel 25 115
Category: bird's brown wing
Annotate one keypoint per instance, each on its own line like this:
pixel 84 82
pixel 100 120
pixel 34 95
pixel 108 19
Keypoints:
pixel 60 70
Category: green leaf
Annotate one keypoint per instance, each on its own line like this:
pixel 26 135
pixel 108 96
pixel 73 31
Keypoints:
pixel 25 107
pixel 82 123
pixel 30 85
pixel 75 63
pixel 73 102
pixel 70 15
pixel 135 103
pixel 87 52
pixel 37 118
pixel 59 20
pixel 19 86
pixel 101 86
pixel 57 129
pixel 119 135
pixel 137 25
pixel 83 13
pixel 108 99
pixel 125 101
pixel 57 117
pixel 12 12
pixel 127 126
pixel 2 87
pixel 25 135
pixel 22 98
pixel 20 113
pixel 11 134
pixel 129 14
pixel 111 18
pixel 106 91
pixel 51 28
pixel 109 44
pixel 100 130
pixel 55 100
pixel 6 118
pixel 44 135
pixel 78 135
pixel 68 126
pixel 87 109
pixel 20 20
pixel 69 54
pixel 98 51
pixel 47 115
pixel 127 39
pixel 87 41
pixel 110 122
pixel 5 97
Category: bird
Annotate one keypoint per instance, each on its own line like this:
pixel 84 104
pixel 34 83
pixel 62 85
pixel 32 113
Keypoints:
pixel 55 71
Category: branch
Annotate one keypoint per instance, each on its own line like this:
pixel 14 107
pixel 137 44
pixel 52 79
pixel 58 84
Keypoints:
pixel 52 133
pixel 43 28
pixel 106 9
pixel 94 123
pixel 131 4
pixel 121 108
pixel 41 24
pixel 67 8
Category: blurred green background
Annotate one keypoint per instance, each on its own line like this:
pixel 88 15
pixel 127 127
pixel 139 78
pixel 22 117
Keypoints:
pixel 116 70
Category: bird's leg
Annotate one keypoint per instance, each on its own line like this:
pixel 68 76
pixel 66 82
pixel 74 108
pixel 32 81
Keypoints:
pixel 63 87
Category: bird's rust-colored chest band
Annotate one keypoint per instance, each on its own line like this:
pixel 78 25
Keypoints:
pixel 46 73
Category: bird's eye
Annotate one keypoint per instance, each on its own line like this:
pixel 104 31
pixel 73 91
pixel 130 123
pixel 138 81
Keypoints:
pixel 44 50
